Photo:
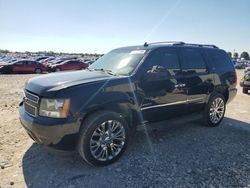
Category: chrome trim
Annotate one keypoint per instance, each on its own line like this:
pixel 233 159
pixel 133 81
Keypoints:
pixel 197 99
pixel 161 105
pixel 35 96
pixel 173 103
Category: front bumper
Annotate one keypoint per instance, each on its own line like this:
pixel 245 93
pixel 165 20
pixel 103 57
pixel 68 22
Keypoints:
pixel 47 131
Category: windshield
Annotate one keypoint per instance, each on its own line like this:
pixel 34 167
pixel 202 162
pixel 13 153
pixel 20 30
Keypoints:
pixel 119 61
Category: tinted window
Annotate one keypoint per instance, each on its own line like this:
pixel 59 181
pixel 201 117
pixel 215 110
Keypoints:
pixel 19 63
pixel 193 59
pixel 220 60
pixel 29 63
pixel 167 58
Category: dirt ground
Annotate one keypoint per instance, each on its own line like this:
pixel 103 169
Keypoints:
pixel 189 155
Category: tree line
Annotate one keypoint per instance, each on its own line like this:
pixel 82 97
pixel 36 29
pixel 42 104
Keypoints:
pixel 235 55
pixel 51 53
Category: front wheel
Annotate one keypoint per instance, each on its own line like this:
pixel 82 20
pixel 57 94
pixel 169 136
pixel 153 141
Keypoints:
pixel 215 110
pixel 57 69
pixel 103 138
pixel 38 71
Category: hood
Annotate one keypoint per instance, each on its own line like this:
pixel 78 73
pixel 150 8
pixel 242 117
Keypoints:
pixel 42 85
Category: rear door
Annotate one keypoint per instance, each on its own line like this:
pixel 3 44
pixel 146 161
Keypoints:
pixel 76 65
pixel 199 81
pixel 70 65
pixel 164 96
pixel 29 66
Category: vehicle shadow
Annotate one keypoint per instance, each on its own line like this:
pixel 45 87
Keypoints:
pixel 160 155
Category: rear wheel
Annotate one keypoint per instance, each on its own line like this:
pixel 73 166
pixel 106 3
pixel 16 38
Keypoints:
pixel 103 138
pixel 244 90
pixel 215 110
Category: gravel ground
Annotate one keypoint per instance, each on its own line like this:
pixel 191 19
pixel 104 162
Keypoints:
pixel 176 155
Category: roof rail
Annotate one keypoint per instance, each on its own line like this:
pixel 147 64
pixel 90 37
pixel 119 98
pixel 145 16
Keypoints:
pixel 199 45
pixel 181 43
pixel 166 42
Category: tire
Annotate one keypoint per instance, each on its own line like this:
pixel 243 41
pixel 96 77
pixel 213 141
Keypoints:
pixel 38 71
pixel 215 110
pixel 95 139
pixel 57 70
pixel 244 90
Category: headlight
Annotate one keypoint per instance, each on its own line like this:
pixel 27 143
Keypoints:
pixel 56 108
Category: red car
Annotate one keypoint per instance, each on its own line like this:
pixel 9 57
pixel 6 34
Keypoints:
pixel 69 65
pixel 23 66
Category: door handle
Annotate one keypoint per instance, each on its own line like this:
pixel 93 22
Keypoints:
pixel 180 85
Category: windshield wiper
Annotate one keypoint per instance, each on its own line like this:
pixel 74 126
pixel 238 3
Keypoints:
pixel 106 71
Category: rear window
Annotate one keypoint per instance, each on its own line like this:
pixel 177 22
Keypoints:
pixel 220 60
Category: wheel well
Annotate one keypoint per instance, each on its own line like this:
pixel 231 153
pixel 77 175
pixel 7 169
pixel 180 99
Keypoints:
pixel 122 109
pixel 224 91
pixel 226 94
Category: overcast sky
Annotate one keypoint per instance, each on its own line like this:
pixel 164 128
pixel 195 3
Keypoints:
pixel 91 26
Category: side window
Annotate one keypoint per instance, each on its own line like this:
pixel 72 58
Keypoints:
pixel 167 59
pixel 70 62
pixel 193 60
pixel 29 63
pixel 19 63
pixel 220 60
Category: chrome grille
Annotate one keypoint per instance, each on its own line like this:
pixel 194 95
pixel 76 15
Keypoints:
pixel 31 97
pixel 31 103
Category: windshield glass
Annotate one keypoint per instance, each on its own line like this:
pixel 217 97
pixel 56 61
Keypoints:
pixel 119 61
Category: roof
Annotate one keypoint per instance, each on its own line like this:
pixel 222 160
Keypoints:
pixel 150 46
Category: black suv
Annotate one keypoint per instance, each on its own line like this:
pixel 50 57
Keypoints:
pixel 96 110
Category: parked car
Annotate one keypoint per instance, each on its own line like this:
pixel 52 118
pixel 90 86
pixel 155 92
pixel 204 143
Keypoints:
pixel 40 58
pixel 239 65
pixel 69 65
pixel 97 110
pixel 23 66
pixel 55 61
pixel 245 82
pixel 247 69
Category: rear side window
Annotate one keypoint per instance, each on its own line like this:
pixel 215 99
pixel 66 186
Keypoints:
pixel 167 58
pixel 193 59
pixel 19 63
pixel 220 60
pixel 29 63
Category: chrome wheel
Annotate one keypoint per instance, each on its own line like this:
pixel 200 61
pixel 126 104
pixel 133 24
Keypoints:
pixel 107 140
pixel 216 110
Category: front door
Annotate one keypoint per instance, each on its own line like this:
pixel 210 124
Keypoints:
pixel 163 86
